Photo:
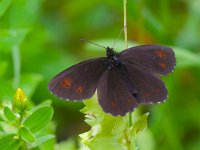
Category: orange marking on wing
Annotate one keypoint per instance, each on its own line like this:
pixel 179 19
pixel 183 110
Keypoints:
pixel 66 83
pixel 147 94
pixel 79 89
pixel 162 65
pixel 113 103
pixel 161 54
pixel 158 90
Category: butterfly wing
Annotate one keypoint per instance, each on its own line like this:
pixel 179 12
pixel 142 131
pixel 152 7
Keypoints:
pixel 154 58
pixel 113 94
pixel 79 81
pixel 149 88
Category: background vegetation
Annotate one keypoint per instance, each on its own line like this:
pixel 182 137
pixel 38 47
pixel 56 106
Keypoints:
pixel 40 38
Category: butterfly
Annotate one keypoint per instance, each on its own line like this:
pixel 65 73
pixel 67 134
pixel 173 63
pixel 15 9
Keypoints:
pixel 122 80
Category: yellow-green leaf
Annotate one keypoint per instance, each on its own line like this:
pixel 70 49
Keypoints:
pixel 6 140
pixel 9 114
pixel 26 135
pixel 39 119
pixel 140 124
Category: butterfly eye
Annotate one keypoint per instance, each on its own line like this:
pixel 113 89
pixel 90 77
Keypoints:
pixel 79 89
pixel 161 54
pixel 66 83
pixel 162 65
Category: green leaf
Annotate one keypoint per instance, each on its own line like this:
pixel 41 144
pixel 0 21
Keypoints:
pixel 139 124
pixel 42 104
pixel 6 140
pixel 4 4
pixel 15 145
pixel 93 112
pixel 49 144
pixel 42 140
pixel 9 114
pixel 145 141
pixel 26 135
pixel 39 119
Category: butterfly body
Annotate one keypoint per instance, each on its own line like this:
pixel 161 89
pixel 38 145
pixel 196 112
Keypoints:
pixel 115 63
pixel 123 80
pixel 112 59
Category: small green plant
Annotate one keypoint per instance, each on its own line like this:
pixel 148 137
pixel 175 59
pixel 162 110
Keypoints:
pixel 22 127
pixel 108 132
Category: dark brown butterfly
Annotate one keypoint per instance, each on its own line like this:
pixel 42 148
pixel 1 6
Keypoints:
pixel 123 80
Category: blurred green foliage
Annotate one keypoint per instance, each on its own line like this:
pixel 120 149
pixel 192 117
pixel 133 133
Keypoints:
pixel 40 38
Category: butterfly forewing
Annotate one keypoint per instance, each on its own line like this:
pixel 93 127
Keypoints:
pixel 113 94
pixel 150 89
pixel 79 81
pixel 154 58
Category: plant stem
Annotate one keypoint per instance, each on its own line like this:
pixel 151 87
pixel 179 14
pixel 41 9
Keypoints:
pixel 125 26
pixel 16 66
pixel 126 46
pixel 130 119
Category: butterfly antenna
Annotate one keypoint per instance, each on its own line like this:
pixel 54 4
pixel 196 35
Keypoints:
pixel 118 36
pixel 92 43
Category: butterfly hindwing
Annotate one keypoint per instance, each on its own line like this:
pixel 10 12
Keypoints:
pixel 113 94
pixel 79 81
pixel 150 88
pixel 154 58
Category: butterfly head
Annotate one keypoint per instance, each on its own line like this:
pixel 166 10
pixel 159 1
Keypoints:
pixel 110 52
pixel 112 58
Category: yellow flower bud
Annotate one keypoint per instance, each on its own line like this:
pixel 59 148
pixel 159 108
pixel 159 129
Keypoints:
pixel 20 100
